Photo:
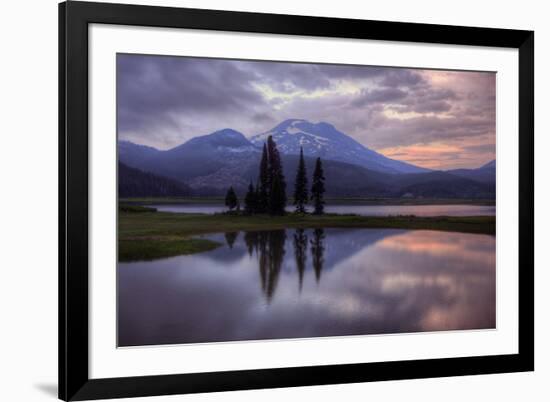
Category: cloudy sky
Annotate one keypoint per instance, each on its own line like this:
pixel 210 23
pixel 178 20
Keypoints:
pixel 434 119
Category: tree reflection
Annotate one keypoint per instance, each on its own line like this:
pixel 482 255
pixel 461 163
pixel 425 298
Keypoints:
pixel 275 256
pixel 230 238
pixel 300 250
pixel 269 247
pixel 317 252
pixel 251 241
pixel 262 258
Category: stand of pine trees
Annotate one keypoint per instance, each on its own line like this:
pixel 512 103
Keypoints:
pixel 263 187
pixel 300 186
pixel 269 194
pixel 318 188
pixel 251 200
pixel 277 191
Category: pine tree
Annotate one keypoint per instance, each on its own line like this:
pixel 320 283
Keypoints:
pixel 277 192
pixel 260 205
pixel 264 184
pixel 231 200
pixel 277 199
pixel 250 202
pixel 300 186
pixel 318 188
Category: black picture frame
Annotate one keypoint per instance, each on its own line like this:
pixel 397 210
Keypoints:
pixel 74 18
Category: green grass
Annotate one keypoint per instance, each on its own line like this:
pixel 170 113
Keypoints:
pixel 175 224
pixel 150 235
pixel 135 208
pixel 146 249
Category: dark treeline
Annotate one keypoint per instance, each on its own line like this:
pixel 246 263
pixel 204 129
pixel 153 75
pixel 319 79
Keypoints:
pixel 318 188
pixel 137 183
pixel 277 184
pixel 269 193
pixel 300 185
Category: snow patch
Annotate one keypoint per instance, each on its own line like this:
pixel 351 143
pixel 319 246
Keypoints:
pixel 293 130
pixel 237 149
pixel 318 138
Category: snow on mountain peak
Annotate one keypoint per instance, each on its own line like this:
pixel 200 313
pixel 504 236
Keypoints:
pixel 289 123
pixel 226 138
pixel 324 140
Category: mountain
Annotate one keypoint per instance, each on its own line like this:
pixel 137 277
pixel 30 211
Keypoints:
pixel 211 163
pixel 134 154
pixel 325 141
pixel 490 165
pixel 440 184
pixel 199 157
pixel 137 183
pixel 341 179
pixel 483 174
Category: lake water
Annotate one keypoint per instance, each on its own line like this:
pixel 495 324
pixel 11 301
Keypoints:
pixel 308 283
pixel 367 210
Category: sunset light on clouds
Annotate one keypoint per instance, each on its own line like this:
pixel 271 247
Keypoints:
pixel 434 119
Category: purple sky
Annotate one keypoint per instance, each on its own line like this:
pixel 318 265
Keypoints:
pixel 435 119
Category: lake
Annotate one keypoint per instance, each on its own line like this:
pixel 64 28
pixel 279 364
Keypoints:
pixel 307 283
pixel 366 210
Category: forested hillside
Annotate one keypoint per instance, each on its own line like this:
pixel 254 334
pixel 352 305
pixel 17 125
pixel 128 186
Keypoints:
pixel 138 183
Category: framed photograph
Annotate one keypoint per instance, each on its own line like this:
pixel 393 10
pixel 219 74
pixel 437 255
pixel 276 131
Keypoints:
pixel 257 201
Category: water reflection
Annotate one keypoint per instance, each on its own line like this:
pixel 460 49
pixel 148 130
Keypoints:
pixel 269 249
pixel 272 252
pixel 300 250
pixel 366 210
pixel 317 252
pixel 310 282
pixel 230 238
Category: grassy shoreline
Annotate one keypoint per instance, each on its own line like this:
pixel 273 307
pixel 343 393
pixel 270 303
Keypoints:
pixel 150 235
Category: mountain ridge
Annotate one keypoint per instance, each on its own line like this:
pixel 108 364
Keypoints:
pixel 210 163
pixel 483 174
pixel 133 182
pixel 325 141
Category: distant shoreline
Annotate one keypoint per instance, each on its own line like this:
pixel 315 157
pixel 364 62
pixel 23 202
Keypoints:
pixel 329 201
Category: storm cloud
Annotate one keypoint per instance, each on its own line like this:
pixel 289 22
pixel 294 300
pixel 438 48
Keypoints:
pixel 163 101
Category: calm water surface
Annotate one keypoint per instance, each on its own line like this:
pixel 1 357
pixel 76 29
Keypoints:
pixel 306 283
pixel 369 210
